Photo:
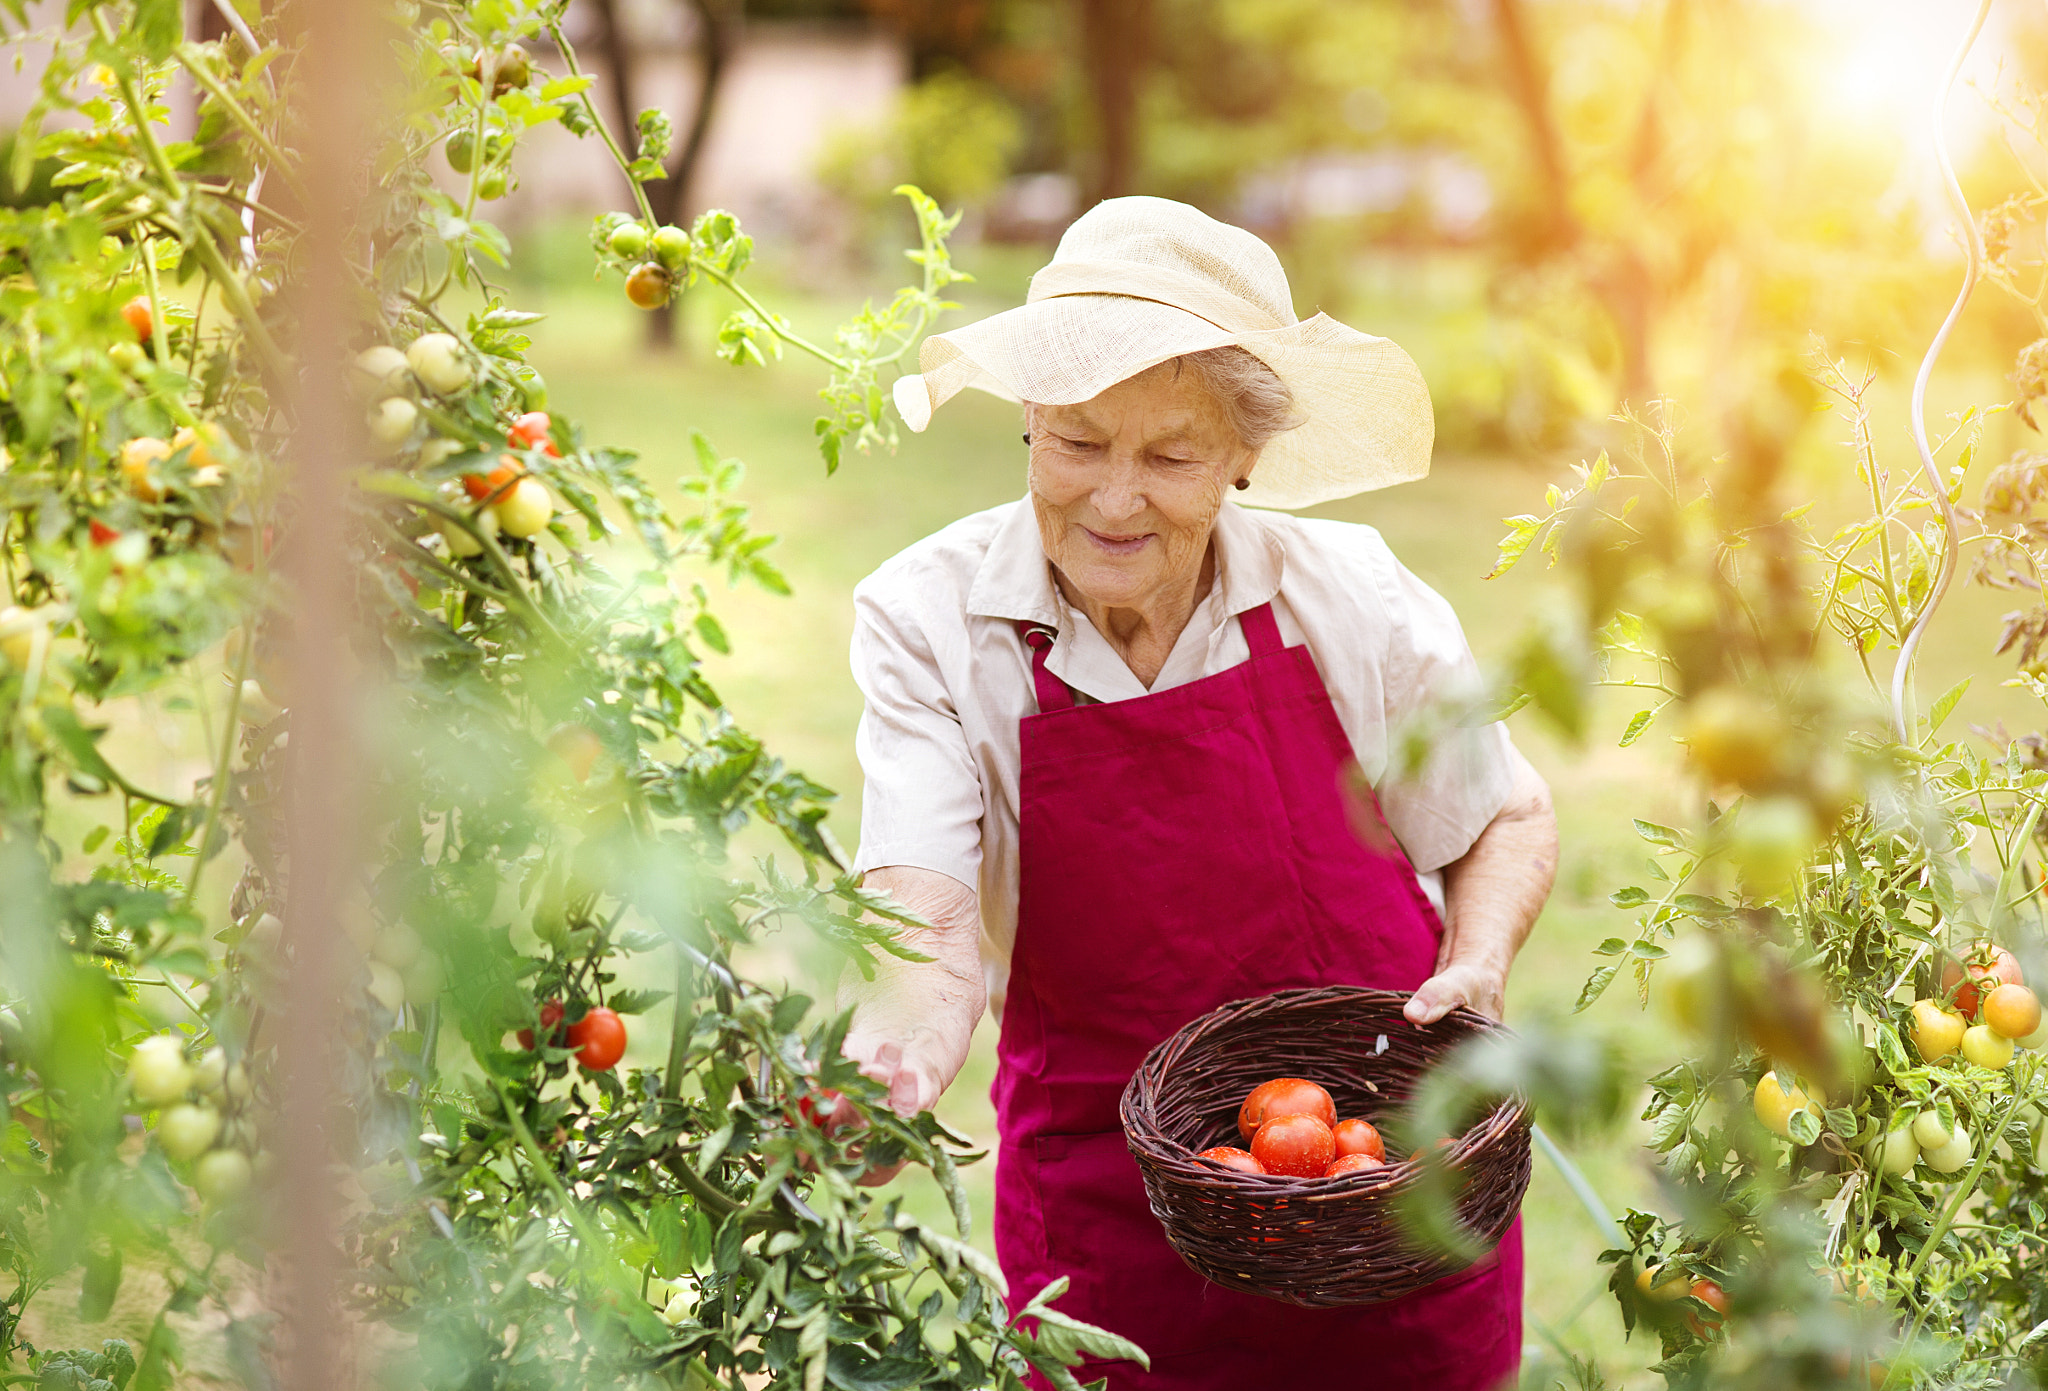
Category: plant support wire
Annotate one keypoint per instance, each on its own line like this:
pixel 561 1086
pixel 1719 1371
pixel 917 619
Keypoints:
pixel 1903 721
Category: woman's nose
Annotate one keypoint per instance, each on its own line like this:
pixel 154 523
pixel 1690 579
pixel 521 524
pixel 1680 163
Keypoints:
pixel 1121 494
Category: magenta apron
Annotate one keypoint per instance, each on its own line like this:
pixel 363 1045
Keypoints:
pixel 1180 850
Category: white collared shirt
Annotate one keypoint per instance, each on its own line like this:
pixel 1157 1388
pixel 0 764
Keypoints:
pixel 947 678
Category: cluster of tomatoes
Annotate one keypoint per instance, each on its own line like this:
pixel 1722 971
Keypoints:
pixel 599 1037
pixel 1292 1127
pixel 666 251
pixel 1985 1011
pixel 508 500
pixel 201 1113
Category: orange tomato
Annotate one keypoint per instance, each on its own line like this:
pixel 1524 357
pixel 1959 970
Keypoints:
pixel 136 312
pixel 2013 1010
pixel 497 482
pixel 1284 1096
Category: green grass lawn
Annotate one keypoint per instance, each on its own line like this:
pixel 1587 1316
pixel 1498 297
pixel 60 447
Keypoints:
pixel 788 676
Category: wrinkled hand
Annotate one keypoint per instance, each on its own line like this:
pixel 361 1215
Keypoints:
pixel 1458 983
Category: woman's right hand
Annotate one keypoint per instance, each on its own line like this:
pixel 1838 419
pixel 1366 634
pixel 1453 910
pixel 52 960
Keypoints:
pixel 913 1023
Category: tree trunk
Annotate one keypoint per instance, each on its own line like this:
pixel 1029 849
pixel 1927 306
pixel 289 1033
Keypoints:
pixel 1529 84
pixel 618 58
pixel 718 36
pixel 1116 48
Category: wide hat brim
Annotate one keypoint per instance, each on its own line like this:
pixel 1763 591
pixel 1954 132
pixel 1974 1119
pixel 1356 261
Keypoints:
pixel 1366 417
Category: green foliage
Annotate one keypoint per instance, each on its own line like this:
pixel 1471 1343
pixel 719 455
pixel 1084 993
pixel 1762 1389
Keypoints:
pixel 556 796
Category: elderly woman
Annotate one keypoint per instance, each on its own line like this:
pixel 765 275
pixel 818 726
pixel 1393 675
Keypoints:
pixel 1105 743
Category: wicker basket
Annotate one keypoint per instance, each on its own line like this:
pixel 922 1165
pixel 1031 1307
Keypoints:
pixel 1320 1242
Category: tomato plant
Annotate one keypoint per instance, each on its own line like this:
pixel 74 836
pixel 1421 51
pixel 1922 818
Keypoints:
pixel 1845 895
pixel 556 789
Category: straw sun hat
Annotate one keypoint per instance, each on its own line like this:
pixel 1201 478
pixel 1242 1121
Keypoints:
pixel 1137 281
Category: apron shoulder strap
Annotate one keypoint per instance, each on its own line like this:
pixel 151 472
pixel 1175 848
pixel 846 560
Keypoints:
pixel 1052 692
pixel 1261 630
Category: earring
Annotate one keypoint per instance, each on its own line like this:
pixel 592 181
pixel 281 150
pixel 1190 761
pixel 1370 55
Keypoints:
pixel 1026 437
pixel 1242 484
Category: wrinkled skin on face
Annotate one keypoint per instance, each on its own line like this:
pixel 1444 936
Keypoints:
pixel 1126 488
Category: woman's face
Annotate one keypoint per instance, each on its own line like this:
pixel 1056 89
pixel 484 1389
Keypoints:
pixel 1127 486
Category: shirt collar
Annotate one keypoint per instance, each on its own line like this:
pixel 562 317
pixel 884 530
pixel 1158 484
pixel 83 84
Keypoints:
pixel 1015 578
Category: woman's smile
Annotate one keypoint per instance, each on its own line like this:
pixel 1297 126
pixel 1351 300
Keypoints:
pixel 1119 545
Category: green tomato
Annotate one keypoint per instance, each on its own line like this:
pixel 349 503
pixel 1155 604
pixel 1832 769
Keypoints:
pixel 1930 1132
pixel 628 241
pixel 671 247
pixel 423 980
pixel 1897 1152
pixel 461 151
pixel 222 1176
pixel 210 1073
pixel 129 357
pixel 187 1131
pixel 1948 1158
pixel 1771 841
pixel 157 1070
pixel 492 183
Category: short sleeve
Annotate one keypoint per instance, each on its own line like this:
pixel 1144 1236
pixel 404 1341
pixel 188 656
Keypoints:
pixel 1468 772
pixel 921 805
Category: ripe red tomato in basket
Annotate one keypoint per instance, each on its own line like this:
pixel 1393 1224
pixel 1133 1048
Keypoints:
pixel 1284 1096
pixel 1231 1157
pixel 1354 1163
pixel 1359 1137
pixel 1298 1146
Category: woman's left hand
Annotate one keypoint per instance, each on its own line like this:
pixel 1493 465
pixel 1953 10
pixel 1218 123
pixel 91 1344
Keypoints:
pixel 1478 985
pixel 1492 896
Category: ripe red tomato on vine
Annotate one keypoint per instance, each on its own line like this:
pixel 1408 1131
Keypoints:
pixel 599 1039
pixel 550 1018
pixel 530 431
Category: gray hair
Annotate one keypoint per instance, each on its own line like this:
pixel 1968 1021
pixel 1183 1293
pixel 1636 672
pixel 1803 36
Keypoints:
pixel 1258 403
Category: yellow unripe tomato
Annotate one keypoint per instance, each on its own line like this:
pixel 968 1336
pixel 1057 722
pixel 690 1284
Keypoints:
pixel 1930 1132
pixel 139 458
pixel 258 709
pixel 1770 842
pixel 437 360
pixel 379 370
pixel 1986 1047
pixel 187 1131
pixel 391 421
pixel 1936 1032
pixel 2038 1038
pixel 2013 1010
pixel 1897 1152
pixel 157 1070
pixel 204 440
pixel 1775 1103
pixel 1733 737
pixel 387 987
pixel 222 1176
pixel 1949 1157
pixel 526 509
pixel 1653 1282
pixel 19 631
pixel 397 946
